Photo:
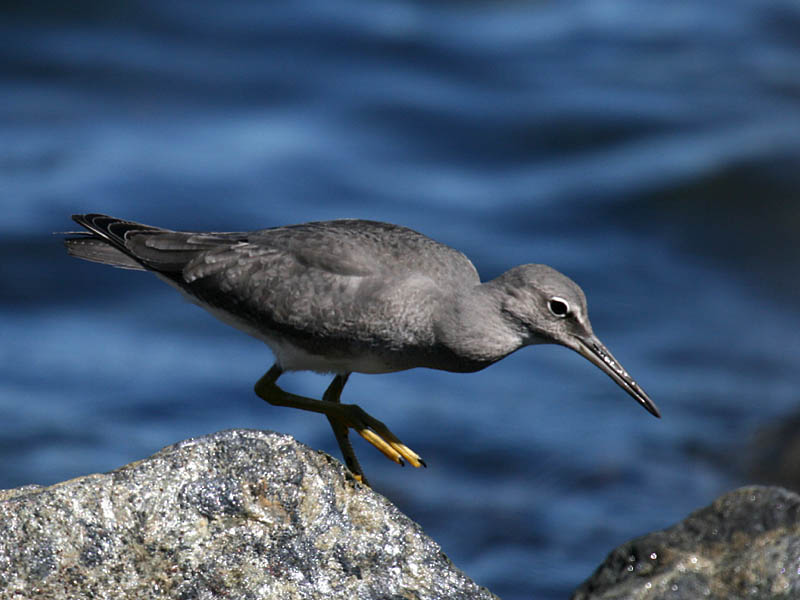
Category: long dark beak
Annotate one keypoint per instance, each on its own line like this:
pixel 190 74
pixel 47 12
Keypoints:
pixel 594 350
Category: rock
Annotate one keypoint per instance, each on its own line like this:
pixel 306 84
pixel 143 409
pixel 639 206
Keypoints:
pixel 238 514
pixel 746 544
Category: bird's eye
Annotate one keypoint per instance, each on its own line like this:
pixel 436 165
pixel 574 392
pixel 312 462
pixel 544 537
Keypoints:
pixel 558 306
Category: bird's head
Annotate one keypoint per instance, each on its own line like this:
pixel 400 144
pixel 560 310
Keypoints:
pixel 548 307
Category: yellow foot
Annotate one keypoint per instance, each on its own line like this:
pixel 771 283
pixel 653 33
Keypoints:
pixel 377 434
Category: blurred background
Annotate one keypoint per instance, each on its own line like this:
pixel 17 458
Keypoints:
pixel 650 150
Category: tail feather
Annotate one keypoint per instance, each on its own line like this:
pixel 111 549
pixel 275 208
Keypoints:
pixel 100 251
pixel 132 245
pixel 105 241
pixel 112 229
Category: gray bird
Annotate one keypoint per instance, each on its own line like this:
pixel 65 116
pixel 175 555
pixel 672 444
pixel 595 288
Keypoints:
pixel 356 296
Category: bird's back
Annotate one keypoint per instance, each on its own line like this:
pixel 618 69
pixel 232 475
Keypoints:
pixel 361 247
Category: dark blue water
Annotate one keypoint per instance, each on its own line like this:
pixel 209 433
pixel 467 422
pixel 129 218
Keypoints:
pixel 650 150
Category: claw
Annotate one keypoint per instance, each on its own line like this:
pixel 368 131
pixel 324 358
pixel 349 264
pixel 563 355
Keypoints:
pixel 377 434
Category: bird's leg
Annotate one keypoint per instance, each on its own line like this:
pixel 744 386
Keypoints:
pixel 347 415
pixel 340 430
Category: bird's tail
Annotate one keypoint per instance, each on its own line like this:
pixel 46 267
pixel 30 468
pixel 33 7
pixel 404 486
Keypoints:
pixel 98 250
pixel 104 242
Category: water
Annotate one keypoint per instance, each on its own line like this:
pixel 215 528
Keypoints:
pixel 649 150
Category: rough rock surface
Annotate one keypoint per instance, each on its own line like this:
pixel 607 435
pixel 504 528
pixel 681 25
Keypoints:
pixel 746 544
pixel 238 514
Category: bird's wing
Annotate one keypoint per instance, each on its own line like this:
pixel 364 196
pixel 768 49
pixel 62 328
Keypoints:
pixel 277 278
pixel 282 279
pixel 134 245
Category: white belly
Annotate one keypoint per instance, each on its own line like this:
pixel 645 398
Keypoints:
pixel 292 358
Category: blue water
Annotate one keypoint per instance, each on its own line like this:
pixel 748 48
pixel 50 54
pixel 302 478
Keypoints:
pixel 648 149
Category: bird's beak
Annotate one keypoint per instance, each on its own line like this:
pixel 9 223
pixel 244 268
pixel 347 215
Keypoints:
pixel 595 351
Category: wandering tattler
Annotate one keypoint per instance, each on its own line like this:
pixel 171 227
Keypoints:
pixel 356 296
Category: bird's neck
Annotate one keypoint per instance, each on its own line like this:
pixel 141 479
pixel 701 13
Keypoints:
pixel 473 326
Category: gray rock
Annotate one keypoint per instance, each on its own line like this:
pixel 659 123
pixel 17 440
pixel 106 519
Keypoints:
pixel 746 544
pixel 238 514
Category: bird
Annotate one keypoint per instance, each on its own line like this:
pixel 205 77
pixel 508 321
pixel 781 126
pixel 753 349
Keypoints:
pixel 356 296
